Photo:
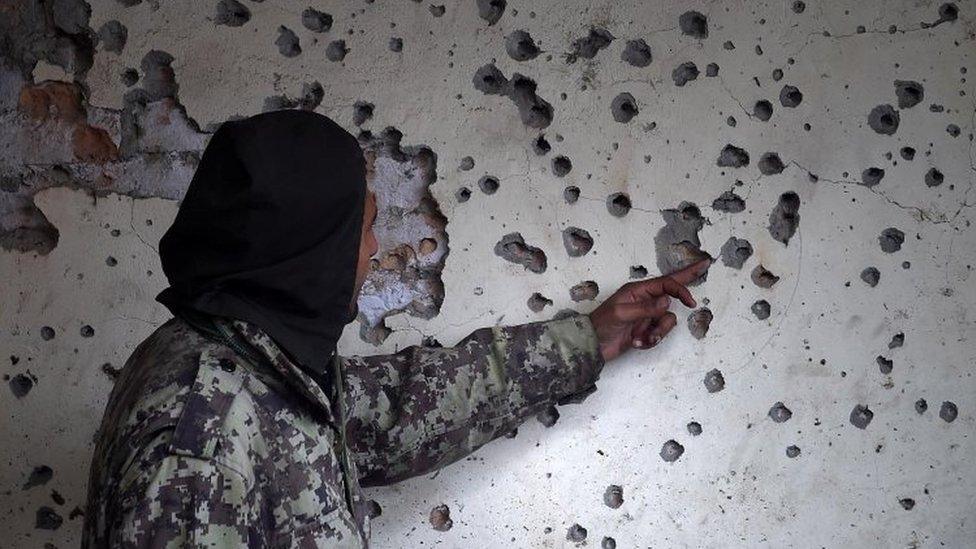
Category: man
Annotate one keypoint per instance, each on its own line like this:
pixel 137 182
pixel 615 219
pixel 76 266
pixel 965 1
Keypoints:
pixel 235 423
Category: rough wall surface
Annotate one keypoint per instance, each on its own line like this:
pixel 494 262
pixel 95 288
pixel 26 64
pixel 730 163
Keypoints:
pixel 822 152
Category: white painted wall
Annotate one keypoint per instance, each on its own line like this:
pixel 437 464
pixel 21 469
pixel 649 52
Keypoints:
pixel 734 485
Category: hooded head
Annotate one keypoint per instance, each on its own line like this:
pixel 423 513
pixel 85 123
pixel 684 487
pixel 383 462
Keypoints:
pixel 269 231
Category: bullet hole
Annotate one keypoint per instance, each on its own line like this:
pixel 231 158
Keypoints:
pixel 47 519
pixel 735 252
pixel 792 451
pixel 861 416
pixel 884 119
pixel 608 543
pixel 287 42
pixel 488 184
pixel 577 241
pixel 728 45
pixel 20 385
pixel 711 70
pixel 437 11
pixel 885 365
pixel 948 12
pixel 361 112
pixel 87 331
pixel 777 75
pixel 677 244
pixel 618 204
pixel 921 406
pixel 790 96
pixel 466 164
pixel 39 476
pixel 159 80
pixel 561 166
pixel 729 202
pixel 463 194
pixel 232 13
pixel 699 321
pixel 637 53
pixel 780 413
pixel 671 451
pixel 440 518
pixel 623 108
pixel 732 157
pixel 316 21
pixel 112 373
pixel 761 309
pixel 113 36
pixel 427 246
pixel 638 271
pixel 891 240
pixel 907 503
pixel 588 46
pixel 799 6
pixel 548 417
pixel 584 291
pixel 373 509
pixel 613 497
pixel 948 412
pixel 537 302
pixel 534 111
pixel 908 153
pixel 130 77
pixel 576 533
pixel 571 194
pixel 953 130
pixel 312 94
pixel 694 428
pixel 872 176
pixel 714 381
pixel 541 146
pixel 396 44
pixel 785 217
pixel 897 340
pixel 512 248
pixel 111 261
pixel 491 10
pixel 684 73
pixel 763 278
pixel 770 164
pixel 694 24
pixel 336 50
pixel 763 110
pixel 909 92
pixel 933 177
pixel 520 46
pixel 871 276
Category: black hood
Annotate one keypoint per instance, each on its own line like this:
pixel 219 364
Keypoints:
pixel 269 231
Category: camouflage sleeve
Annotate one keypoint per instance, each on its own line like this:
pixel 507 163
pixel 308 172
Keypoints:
pixel 425 407
pixel 169 500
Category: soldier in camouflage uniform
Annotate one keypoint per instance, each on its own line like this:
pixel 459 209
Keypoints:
pixel 218 433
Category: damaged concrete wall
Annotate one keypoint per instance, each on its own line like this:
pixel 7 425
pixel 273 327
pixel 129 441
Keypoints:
pixel 529 158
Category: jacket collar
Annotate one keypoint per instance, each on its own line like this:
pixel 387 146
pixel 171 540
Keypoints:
pixel 271 352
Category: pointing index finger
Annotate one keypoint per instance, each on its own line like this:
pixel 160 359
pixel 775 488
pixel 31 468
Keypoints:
pixel 691 272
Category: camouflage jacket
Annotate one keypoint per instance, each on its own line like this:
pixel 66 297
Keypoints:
pixel 205 443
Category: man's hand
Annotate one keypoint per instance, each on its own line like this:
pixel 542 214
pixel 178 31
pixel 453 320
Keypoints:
pixel 637 314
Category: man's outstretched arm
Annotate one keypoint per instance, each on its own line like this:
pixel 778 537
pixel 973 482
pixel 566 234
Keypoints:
pixel 425 407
